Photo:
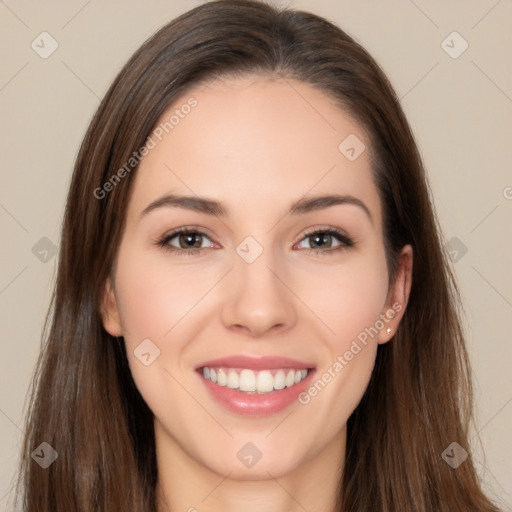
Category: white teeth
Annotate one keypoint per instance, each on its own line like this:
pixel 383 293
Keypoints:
pixel 290 379
pixel 249 381
pixel 280 380
pixel 222 379
pixel 233 380
pixel 264 382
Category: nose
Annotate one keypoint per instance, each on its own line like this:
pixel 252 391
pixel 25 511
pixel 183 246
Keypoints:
pixel 258 299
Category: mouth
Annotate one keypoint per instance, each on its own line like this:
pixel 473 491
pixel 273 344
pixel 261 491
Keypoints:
pixel 250 381
pixel 250 386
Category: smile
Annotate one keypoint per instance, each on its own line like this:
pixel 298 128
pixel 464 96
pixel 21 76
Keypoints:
pixel 250 381
pixel 255 386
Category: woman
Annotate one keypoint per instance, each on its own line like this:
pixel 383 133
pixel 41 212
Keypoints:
pixel 252 305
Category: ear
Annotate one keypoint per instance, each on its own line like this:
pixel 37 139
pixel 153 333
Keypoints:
pixel 398 295
pixel 110 311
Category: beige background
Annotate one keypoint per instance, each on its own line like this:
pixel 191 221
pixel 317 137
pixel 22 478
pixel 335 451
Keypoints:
pixel 460 110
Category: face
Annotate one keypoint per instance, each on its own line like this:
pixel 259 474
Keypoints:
pixel 276 281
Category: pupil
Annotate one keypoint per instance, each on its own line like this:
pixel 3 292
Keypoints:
pixel 322 237
pixel 189 237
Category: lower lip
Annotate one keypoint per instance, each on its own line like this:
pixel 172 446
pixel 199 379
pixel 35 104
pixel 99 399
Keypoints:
pixel 254 404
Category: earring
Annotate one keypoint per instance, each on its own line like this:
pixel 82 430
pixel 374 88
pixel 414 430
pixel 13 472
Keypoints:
pixel 388 330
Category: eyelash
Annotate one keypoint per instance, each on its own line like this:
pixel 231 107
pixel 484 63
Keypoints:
pixel 346 241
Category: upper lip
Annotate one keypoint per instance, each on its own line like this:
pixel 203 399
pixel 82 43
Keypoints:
pixel 256 363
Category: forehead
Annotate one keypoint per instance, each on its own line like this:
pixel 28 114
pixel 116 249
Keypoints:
pixel 255 141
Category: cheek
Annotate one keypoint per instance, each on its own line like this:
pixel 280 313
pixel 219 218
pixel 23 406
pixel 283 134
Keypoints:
pixel 346 297
pixel 154 296
pixel 351 303
pixel 361 297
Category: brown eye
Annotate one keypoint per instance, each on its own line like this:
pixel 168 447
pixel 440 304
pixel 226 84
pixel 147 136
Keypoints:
pixel 326 239
pixel 184 241
pixel 320 240
pixel 189 240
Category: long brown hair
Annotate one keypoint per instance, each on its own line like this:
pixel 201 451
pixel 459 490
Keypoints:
pixel 83 400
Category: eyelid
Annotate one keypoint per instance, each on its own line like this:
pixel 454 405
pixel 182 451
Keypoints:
pixel 323 229
pixel 346 241
pixel 187 229
pixel 163 241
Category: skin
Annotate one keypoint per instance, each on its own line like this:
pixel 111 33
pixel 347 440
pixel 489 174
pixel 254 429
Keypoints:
pixel 256 144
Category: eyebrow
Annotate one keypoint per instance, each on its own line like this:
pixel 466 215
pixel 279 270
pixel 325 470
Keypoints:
pixel 215 208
